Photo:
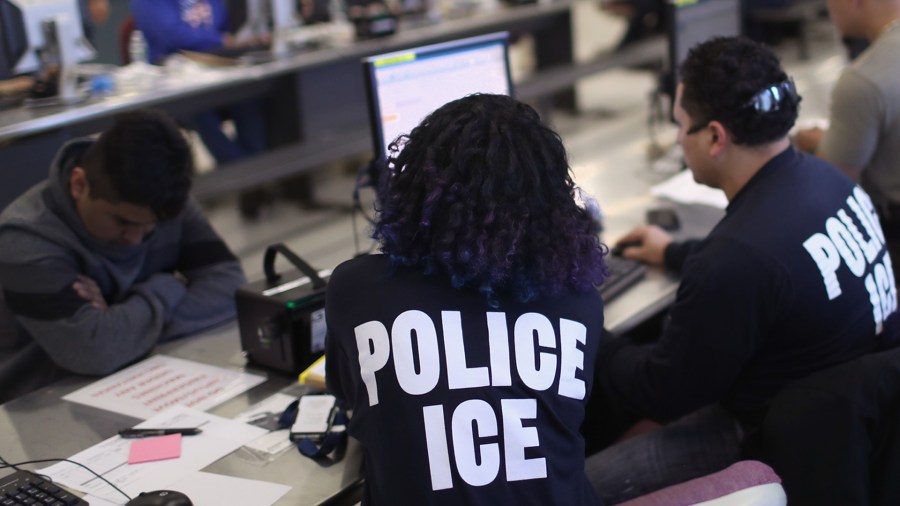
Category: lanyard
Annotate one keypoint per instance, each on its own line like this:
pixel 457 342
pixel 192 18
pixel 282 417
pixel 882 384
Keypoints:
pixel 316 447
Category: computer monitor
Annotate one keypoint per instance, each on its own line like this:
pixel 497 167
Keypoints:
pixel 694 21
pixel 13 41
pixel 33 16
pixel 284 20
pixel 248 18
pixel 405 86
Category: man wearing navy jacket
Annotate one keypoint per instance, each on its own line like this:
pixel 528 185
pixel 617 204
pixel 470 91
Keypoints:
pixel 793 280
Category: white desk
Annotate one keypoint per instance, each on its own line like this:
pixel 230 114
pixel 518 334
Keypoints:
pixel 40 425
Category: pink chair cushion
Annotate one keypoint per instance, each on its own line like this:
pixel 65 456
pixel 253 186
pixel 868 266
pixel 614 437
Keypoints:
pixel 738 476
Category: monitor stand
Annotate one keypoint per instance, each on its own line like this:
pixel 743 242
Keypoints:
pixel 63 56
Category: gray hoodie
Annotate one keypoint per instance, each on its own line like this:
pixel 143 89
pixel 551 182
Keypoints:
pixel 47 329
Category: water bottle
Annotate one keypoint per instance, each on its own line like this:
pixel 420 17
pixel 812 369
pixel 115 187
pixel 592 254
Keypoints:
pixel 137 47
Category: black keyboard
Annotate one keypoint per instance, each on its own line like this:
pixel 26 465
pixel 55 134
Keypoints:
pixel 27 488
pixel 623 273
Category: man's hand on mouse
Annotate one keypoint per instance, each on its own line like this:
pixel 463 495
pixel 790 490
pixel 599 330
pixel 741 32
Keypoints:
pixel 649 244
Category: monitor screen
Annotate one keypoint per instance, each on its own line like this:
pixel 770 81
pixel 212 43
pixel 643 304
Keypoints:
pixel 405 86
pixel 27 20
pixel 695 21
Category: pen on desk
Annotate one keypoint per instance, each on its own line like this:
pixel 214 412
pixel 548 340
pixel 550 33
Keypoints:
pixel 138 433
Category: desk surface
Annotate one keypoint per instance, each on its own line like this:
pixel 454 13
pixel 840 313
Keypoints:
pixel 40 426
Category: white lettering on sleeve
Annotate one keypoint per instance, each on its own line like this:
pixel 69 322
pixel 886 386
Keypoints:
pixel 846 246
pixel 374 349
pixel 875 299
pixel 571 358
pixel 516 438
pixel 884 290
pixel 889 267
pixel 866 221
pixel 459 375
pixel 471 420
pixel 436 444
pixel 826 256
pixel 537 370
pixel 870 248
pixel 498 337
pixel 869 210
pixel 405 352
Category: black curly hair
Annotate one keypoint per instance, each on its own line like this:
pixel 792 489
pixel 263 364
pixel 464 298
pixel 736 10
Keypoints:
pixel 721 76
pixel 481 191
pixel 143 159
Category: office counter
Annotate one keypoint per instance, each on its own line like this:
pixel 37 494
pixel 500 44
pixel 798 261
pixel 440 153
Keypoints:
pixel 315 100
pixel 40 425
pixel 533 18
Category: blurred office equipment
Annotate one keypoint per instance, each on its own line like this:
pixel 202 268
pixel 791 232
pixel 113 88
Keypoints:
pixel 260 19
pixel 45 36
pixel 284 20
pixel 691 23
pixel 249 18
pixel 768 20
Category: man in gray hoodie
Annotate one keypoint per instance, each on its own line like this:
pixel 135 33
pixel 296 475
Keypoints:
pixel 107 257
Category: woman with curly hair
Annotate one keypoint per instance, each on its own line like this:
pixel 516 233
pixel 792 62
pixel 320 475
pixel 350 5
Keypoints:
pixel 466 350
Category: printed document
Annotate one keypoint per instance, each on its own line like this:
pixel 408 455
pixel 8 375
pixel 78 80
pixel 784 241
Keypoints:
pixel 153 385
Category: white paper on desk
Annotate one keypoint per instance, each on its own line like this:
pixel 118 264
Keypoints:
pixel 155 384
pixel 682 188
pixel 109 458
pixel 208 489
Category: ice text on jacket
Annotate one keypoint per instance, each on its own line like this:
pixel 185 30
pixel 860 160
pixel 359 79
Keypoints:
pixel 541 360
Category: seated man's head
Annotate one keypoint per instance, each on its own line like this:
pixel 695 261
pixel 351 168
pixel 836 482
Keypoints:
pixel 733 98
pixel 137 173
pixel 481 193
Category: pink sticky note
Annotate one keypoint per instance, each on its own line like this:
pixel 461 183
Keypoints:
pixel 155 448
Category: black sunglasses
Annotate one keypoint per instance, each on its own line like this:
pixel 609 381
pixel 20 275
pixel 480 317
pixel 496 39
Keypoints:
pixel 765 101
pixel 771 98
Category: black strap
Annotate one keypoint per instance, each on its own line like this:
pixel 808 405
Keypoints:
pixel 299 263
pixel 318 447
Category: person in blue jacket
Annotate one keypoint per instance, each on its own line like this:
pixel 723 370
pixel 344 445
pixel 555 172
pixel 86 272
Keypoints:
pixel 169 26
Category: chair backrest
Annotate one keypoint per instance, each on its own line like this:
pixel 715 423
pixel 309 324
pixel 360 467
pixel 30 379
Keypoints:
pixel 126 28
pixel 747 483
pixel 832 437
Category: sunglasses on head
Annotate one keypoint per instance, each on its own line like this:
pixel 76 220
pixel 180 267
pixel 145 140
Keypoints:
pixel 771 98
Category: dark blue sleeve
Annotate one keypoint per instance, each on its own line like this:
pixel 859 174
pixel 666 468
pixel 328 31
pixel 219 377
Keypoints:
pixel 714 328
pixel 165 31
pixel 338 378
pixel 677 252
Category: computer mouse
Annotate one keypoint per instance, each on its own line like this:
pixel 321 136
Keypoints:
pixel 160 498
pixel 617 250
pixel 664 218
